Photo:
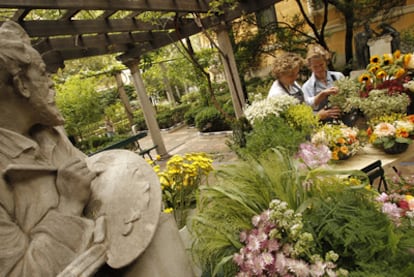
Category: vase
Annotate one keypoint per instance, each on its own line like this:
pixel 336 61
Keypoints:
pixel 397 148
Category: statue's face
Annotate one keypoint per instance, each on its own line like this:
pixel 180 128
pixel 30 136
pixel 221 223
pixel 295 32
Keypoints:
pixel 42 93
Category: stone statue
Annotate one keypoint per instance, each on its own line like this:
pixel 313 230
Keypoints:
pixel 387 29
pixel 62 213
pixel 361 46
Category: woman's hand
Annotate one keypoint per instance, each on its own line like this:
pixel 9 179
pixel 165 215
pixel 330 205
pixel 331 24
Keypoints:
pixel 333 113
pixel 321 96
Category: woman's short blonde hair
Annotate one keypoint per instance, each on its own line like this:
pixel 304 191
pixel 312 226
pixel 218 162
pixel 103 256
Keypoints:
pixel 286 63
pixel 317 51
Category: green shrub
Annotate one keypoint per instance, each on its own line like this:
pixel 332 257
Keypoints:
pixel 273 132
pixel 189 116
pixel 210 120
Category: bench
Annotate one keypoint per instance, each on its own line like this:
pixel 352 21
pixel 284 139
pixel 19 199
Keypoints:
pixel 123 143
pixel 146 151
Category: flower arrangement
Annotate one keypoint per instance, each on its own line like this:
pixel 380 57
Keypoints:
pixel 392 133
pixel 342 140
pixel 381 89
pixel 278 246
pixel 180 180
pixel 386 72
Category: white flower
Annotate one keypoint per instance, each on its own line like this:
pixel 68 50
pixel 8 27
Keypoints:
pixel 384 129
pixel 275 105
pixel 404 124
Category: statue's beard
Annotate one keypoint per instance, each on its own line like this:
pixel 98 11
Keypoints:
pixel 48 114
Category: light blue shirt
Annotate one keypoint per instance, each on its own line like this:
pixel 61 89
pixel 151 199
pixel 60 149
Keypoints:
pixel 313 87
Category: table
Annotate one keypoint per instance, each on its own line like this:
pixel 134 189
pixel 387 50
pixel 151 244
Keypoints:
pixel 370 154
pixel 403 163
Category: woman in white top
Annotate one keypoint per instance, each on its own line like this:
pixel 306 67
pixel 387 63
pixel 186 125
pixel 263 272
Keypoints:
pixel 321 83
pixel 285 71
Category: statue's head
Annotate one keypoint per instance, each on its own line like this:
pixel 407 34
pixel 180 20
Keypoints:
pixel 23 71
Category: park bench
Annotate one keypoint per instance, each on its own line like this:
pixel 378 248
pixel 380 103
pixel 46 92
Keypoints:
pixel 126 142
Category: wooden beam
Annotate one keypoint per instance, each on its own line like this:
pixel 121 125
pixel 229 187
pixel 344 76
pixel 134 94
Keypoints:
pixel 46 28
pixel 19 15
pixel 134 5
pixel 91 41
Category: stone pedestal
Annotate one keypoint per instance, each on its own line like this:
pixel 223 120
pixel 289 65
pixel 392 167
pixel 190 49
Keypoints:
pixel 380 45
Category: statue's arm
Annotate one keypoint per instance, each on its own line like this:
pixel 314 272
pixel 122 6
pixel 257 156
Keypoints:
pixel 46 250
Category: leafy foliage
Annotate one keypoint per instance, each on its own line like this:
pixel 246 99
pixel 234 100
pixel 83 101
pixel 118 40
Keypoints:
pixel 242 191
pixel 367 242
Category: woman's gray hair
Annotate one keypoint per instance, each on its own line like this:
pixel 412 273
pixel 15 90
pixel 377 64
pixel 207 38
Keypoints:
pixel 286 63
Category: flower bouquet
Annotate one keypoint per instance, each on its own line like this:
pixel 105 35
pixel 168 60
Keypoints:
pixel 392 134
pixel 342 140
pixel 381 89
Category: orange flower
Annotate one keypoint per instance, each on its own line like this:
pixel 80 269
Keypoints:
pixel 410 118
pixel 344 149
pixel 369 131
pixel 341 141
pixel 397 54
pixel 401 133
pixel 400 72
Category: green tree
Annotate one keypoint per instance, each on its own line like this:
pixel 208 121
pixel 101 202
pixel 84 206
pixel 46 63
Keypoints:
pixel 78 100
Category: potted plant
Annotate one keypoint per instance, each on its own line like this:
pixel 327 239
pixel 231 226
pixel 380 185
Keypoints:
pixel 342 140
pixel 391 133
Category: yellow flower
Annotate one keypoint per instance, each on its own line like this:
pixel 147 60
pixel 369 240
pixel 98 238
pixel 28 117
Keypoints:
pixel 374 59
pixel 158 157
pixel 364 78
pixel 381 74
pixel 387 59
pixel 407 60
pixel 373 69
pixel 168 210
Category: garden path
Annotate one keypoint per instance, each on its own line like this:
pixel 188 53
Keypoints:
pixel 185 139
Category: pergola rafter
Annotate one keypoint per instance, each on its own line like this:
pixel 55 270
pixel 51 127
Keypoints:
pixel 66 38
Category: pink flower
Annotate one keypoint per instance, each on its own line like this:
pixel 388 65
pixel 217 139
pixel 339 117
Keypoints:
pixel 382 198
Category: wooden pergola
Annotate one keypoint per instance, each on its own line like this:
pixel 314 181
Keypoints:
pixel 119 30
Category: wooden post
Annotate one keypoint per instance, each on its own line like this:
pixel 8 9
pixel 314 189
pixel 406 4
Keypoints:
pixel 148 110
pixel 230 70
pixel 124 98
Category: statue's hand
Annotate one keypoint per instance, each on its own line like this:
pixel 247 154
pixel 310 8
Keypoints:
pixel 74 186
